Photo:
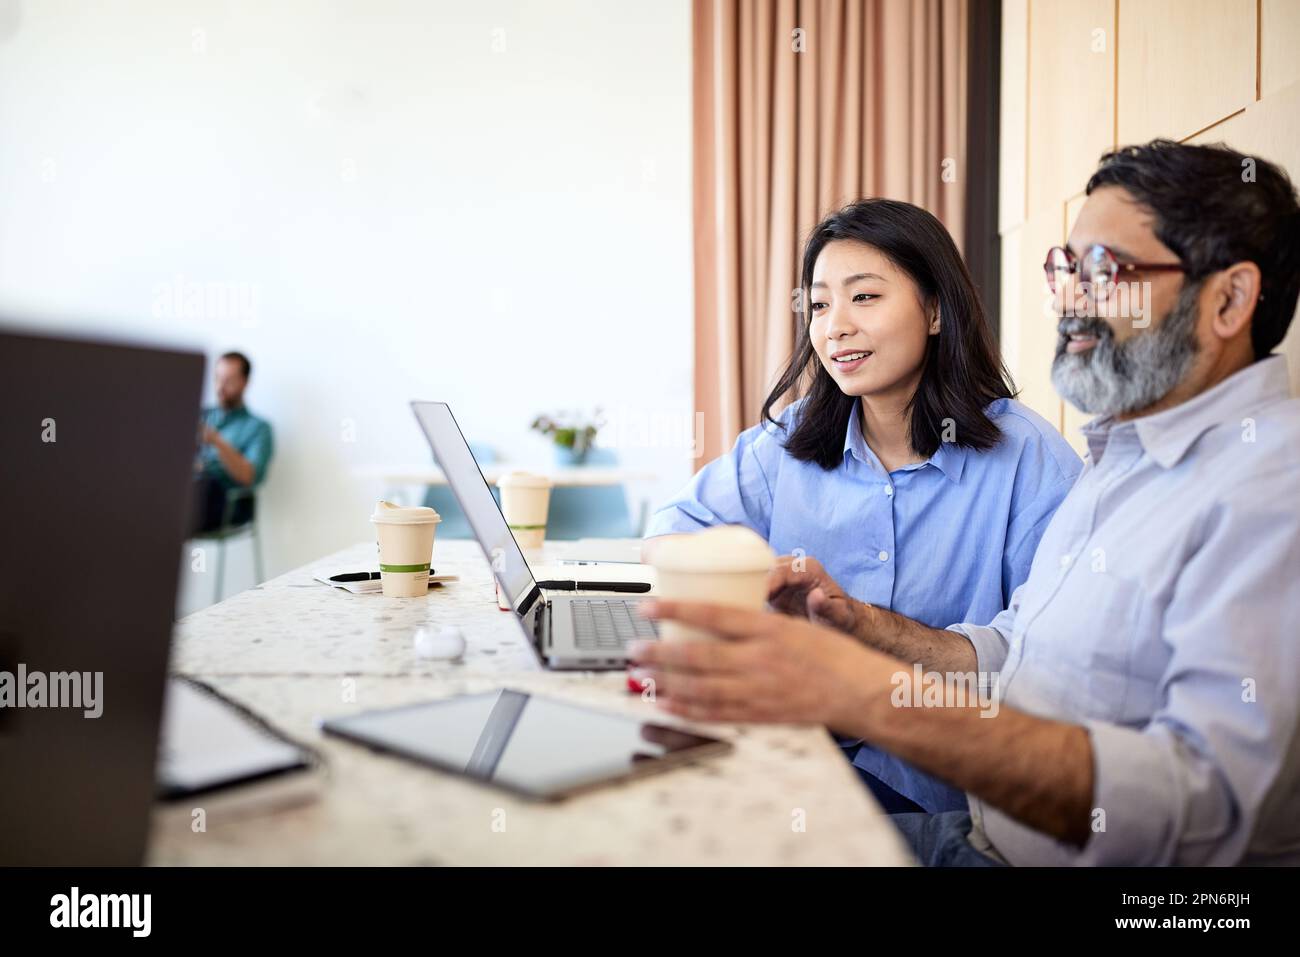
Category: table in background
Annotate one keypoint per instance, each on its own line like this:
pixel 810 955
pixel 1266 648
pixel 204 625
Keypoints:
pixel 291 650
pixel 560 475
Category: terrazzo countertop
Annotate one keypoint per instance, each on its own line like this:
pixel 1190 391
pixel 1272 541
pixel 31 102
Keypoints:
pixel 296 651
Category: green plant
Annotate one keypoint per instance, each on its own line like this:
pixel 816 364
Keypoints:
pixel 569 430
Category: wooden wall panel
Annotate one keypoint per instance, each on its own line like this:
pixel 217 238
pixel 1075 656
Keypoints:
pixel 1183 65
pixel 1279 58
pixel 1071 77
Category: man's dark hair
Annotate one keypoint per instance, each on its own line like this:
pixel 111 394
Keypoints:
pixel 1214 207
pixel 961 372
pixel 241 359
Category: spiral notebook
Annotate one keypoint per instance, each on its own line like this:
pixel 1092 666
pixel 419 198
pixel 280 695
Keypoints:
pixel 210 744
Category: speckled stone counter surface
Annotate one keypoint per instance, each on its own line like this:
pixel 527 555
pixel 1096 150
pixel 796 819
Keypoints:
pixel 296 651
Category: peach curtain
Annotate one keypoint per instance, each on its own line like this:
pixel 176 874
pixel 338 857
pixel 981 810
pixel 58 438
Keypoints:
pixel 801 106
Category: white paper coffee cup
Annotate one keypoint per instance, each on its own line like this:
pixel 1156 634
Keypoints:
pixel 405 539
pixel 525 499
pixel 725 565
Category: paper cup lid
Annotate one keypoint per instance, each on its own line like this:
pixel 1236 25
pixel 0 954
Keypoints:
pixel 722 548
pixel 523 480
pixel 389 514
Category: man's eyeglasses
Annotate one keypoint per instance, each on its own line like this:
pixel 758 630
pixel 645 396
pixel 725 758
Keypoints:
pixel 1098 270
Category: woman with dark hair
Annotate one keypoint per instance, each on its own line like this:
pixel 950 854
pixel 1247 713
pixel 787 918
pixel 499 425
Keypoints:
pixel 904 459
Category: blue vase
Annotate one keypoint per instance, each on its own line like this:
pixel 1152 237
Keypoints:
pixel 570 457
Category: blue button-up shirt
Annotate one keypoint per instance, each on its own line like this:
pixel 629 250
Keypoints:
pixel 948 539
pixel 1160 614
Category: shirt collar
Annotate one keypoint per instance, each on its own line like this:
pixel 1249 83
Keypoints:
pixel 854 443
pixel 950 459
pixel 1167 436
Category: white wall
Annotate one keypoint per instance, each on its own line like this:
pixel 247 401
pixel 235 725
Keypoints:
pixel 483 202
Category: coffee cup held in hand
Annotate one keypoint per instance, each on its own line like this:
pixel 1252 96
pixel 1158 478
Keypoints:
pixel 724 565
pixel 405 538
pixel 525 499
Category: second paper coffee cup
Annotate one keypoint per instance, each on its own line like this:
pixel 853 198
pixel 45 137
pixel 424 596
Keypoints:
pixel 525 499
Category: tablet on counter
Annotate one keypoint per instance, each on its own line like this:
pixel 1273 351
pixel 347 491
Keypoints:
pixel 540 747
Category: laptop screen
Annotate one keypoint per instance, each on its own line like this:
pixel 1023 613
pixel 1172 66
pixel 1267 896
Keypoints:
pixel 453 456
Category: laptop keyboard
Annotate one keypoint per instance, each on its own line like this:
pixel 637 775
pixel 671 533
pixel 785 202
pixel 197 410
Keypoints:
pixel 601 624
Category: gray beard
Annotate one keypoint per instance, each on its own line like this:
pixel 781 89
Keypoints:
pixel 1120 378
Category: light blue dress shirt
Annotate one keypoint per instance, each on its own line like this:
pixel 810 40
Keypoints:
pixel 1161 614
pixel 948 539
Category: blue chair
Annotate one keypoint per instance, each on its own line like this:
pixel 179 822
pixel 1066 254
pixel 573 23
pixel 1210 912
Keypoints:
pixel 595 511
pixel 440 497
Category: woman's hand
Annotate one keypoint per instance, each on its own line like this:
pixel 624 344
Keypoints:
pixel 763 667
pixel 798 585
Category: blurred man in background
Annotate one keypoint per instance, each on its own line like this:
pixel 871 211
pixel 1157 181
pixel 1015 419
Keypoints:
pixel 235 450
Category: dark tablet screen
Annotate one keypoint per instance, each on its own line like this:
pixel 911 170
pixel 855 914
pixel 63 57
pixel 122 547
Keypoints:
pixel 542 747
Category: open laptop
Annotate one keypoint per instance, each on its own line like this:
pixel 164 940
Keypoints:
pixel 99 443
pixel 568 631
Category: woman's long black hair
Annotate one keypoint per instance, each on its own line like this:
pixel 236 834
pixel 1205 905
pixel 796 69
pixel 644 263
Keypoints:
pixel 961 371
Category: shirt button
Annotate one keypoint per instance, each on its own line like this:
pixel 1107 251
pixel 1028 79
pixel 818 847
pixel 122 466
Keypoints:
pixel 883 556
pixel 889 490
